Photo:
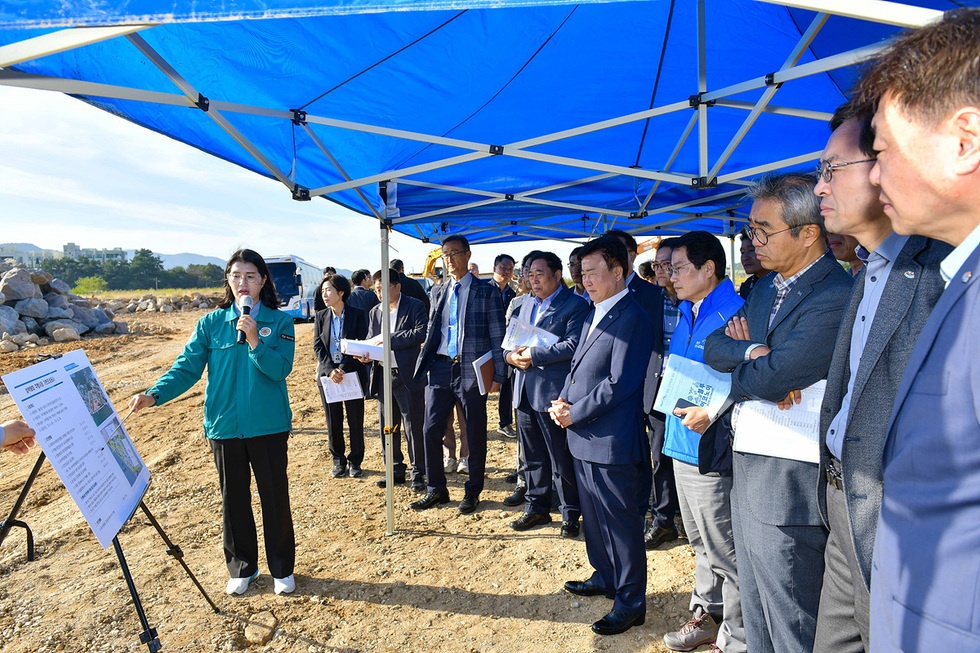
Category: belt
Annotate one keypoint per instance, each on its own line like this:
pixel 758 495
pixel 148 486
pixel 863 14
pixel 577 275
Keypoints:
pixel 457 360
pixel 835 476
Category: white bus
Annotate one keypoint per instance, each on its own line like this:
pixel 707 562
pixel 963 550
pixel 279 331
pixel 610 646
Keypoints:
pixel 296 282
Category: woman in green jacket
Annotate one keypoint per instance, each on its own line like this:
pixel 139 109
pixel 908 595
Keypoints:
pixel 246 415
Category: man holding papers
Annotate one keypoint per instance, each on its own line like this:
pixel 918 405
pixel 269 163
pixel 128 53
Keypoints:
pixel 601 405
pixel 894 293
pixel 407 316
pixel 701 453
pixel 466 321
pixel 781 340
pixel 539 377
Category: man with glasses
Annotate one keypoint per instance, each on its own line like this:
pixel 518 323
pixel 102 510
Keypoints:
pixel 898 287
pixel 779 341
pixel 925 94
pixel 465 322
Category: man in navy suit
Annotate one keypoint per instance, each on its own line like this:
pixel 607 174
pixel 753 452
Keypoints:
pixel 465 322
pixel 925 574
pixel 503 272
pixel 896 289
pixel 781 340
pixel 538 380
pixel 408 321
pixel 601 405
pixel 361 295
pixel 662 501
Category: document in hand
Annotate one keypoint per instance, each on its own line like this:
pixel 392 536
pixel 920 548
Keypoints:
pixel 349 388
pixel 364 348
pixel 484 368
pixel 761 428
pixel 694 382
pixel 524 334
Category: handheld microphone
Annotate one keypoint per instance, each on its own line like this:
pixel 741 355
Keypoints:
pixel 246 304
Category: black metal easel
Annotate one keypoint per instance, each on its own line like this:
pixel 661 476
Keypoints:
pixel 12 520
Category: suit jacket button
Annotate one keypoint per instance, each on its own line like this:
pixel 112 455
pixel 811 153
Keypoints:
pixel 573 380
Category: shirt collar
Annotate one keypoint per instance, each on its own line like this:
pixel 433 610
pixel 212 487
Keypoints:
pixel 952 263
pixel 889 249
pixel 547 300
pixel 256 307
pixel 786 284
pixel 606 304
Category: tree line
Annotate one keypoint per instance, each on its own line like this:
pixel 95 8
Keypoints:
pixel 144 271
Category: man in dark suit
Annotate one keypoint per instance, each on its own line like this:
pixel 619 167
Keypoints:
pixel 782 339
pixel 503 272
pixel 538 380
pixel 894 293
pixel 601 405
pixel 362 297
pixel 408 323
pixel 410 287
pixel 466 321
pixel 662 500
pixel 926 561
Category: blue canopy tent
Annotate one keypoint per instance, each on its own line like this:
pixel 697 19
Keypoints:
pixel 496 119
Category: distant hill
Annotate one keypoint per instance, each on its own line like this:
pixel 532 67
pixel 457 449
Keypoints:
pixel 183 259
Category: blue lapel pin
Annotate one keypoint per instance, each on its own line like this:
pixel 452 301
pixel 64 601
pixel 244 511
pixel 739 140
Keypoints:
pixel 909 274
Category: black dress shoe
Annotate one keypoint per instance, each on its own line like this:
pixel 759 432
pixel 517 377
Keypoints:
pixel 429 500
pixel 658 536
pixel 339 471
pixel 530 520
pixel 384 482
pixel 569 530
pixel 468 504
pixel 516 498
pixel 586 588
pixel 617 622
pixel 418 485
pixel 511 478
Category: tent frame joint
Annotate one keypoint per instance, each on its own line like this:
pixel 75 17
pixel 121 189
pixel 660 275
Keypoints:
pixel 300 193
pixel 203 103
pixel 695 101
pixel 299 117
pixel 704 182
pixel 636 215
pixel 496 150
pixel 771 80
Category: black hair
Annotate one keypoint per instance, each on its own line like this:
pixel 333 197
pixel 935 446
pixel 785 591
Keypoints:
pixel 645 270
pixel 459 239
pixel 613 252
pixel 359 276
pixel 501 257
pixel 267 295
pixel 624 237
pixel 393 278
pixel 397 264
pixel 860 113
pixel 668 243
pixel 550 259
pixel 703 247
pixel 340 284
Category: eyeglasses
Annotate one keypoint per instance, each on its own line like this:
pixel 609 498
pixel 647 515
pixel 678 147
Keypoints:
pixel 662 265
pixel 249 278
pixel 826 169
pixel 758 234
pixel 677 269
pixel 448 255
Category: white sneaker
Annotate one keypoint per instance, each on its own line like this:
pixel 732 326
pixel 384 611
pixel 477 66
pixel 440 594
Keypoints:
pixel 449 464
pixel 285 585
pixel 239 585
pixel 464 466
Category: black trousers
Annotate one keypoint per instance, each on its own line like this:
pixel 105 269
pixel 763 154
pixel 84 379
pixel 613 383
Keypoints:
pixel 409 413
pixel 663 499
pixel 335 429
pixel 505 402
pixel 547 460
pixel 266 455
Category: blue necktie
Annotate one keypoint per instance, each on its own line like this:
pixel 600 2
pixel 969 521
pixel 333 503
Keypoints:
pixel 452 347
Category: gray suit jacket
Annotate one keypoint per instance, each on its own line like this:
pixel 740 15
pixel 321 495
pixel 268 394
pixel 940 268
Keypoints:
pixel 802 340
pixel 911 292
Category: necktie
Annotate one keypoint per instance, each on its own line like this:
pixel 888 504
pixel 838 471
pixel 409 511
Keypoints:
pixel 453 344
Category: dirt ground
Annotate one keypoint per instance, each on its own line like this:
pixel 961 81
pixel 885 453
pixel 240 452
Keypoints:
pixel 442 582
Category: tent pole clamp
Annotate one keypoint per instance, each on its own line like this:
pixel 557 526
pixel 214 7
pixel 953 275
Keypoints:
pixel 637 215
pixel 695 101
pixel 704 182
pixel 299 117
pixel 496 149
pixel 301 194
pixel 203 103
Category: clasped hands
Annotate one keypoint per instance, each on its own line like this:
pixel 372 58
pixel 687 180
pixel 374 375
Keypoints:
pixel 560 412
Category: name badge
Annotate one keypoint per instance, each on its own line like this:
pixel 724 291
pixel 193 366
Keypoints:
pixel 337 357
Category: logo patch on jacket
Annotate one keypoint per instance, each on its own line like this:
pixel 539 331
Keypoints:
pixel 265 332
pixel 286 336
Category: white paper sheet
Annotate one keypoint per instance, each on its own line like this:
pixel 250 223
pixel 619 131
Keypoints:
pixel 692 381
pixel 524 334
pixel 364 348
pixel 348 388
pixel 761 428
pixel 82 435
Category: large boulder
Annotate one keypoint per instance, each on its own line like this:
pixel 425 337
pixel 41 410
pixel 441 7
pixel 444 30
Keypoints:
pixel 56 300
pixel 121 327
pixel 101 315
pixel 105 327
pixel 85 315
pixel 40 277
pixel 17 284
pixel 58 286
pixel 19 327
pixel 50 327
pixel 8 319
pixel 32 307
pixel 7 346
pixel 32 326
pixel 65 334
pixel 60 313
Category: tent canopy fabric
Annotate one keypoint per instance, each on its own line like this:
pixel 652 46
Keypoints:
pixel 501 120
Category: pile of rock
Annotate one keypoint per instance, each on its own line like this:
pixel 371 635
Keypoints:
pixel 36 308
pixel 151 304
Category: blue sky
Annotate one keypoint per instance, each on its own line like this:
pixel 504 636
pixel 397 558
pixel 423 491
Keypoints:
pixel 73 173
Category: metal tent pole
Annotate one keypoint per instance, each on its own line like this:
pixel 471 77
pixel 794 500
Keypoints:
pixel 386 366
